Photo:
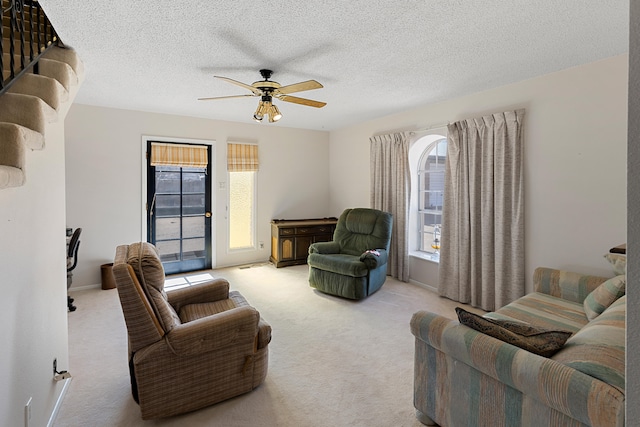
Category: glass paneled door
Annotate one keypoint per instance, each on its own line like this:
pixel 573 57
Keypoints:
pixel 179 215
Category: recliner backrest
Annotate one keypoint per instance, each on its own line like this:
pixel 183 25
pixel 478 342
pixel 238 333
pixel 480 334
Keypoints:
pixel 144 259
pixel 360 229
pixel 143 326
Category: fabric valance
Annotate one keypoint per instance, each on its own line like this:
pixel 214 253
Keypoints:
pixel 242 157
pixel 182 155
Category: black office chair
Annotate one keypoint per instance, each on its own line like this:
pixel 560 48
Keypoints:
pixel 72 261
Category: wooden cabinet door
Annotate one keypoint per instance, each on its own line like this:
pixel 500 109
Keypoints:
pixel 287 249
pixel 290 239
pixel 323 238
pixel 302 246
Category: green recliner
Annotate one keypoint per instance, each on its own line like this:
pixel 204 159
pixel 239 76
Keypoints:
pixel 354 264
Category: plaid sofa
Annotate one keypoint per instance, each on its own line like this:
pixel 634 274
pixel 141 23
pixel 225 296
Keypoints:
pixel 466 378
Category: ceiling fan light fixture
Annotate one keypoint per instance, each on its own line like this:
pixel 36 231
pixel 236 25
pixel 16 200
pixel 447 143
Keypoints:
pixel 260 111
pixel 274 114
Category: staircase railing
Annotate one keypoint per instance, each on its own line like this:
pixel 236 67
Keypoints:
pixel 26 35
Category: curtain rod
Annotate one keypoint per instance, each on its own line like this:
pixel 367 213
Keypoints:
pixel 414 131
pixel 435 126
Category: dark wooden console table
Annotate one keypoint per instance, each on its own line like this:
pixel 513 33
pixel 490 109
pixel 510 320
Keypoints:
pixel 290 238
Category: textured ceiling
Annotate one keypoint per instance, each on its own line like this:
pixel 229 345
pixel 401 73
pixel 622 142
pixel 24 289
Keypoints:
pixel 374 58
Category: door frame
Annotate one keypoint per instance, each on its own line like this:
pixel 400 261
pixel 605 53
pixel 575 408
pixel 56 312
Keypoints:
pixel 143 189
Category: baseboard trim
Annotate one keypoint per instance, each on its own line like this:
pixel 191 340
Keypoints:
pixel 423 285
pixel 56 407
pixel 85 287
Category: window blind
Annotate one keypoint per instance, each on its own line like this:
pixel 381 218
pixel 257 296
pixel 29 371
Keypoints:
pixel 185 156
pixel 242 157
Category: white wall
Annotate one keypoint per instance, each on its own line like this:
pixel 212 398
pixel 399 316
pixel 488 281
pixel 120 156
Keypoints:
pixel 104 178
pixel 575 161
pixel 33 285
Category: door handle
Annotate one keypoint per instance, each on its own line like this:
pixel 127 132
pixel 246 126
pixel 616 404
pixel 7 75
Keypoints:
pixel 207 214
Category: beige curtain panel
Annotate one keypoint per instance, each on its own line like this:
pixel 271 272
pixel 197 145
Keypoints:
pixel 182 155
pixel 242 157
pixel 390 189
pixel 482 253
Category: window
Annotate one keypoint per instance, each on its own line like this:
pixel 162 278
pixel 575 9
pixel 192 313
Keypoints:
pixel 430 193
pixel 241 209
pixel 427 160
pixel 242 164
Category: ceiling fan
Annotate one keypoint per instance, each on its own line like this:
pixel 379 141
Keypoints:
pixel 267 90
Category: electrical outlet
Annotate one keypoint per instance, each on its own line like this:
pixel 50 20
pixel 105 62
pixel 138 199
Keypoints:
pixel 27 413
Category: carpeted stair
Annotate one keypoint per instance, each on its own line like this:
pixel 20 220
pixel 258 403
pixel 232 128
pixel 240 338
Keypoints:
pixel 30 103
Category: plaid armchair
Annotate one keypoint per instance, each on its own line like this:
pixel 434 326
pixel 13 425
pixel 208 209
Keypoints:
pixel 188 348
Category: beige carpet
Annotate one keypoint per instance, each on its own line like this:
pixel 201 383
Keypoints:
pixel 333 362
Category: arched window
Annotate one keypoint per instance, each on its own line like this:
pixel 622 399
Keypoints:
pixel 427 160
pixel 430 195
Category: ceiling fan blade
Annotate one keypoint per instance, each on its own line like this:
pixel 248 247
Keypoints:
pixel 299 87
pixel 302 101
pixel 224 97
pixel 255 91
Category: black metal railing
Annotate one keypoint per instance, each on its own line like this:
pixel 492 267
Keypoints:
pixel 26 34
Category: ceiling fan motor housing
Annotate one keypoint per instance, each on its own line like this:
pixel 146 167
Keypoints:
pixel 266 74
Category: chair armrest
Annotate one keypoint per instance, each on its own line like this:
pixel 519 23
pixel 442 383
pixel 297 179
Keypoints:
pixel 372 260
pixel 324 248
pixel 565 284
pixel 209 291
pixel 556 385
pixel 230 327
pixel 264 334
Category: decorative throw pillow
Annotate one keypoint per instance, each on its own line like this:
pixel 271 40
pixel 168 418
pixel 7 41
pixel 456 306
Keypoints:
pixel 598 349
pixel 604 295
pixel 618 261
pixel 544 342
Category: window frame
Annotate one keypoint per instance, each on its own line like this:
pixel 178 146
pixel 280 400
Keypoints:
pixel 422 143
pixel 423 234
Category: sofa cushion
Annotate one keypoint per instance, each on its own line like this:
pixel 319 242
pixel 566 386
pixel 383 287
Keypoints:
pixel 544 311
pixel 603 296
pixel 348 265
pixel 191 312
pixel 598 349
pixel 543 342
